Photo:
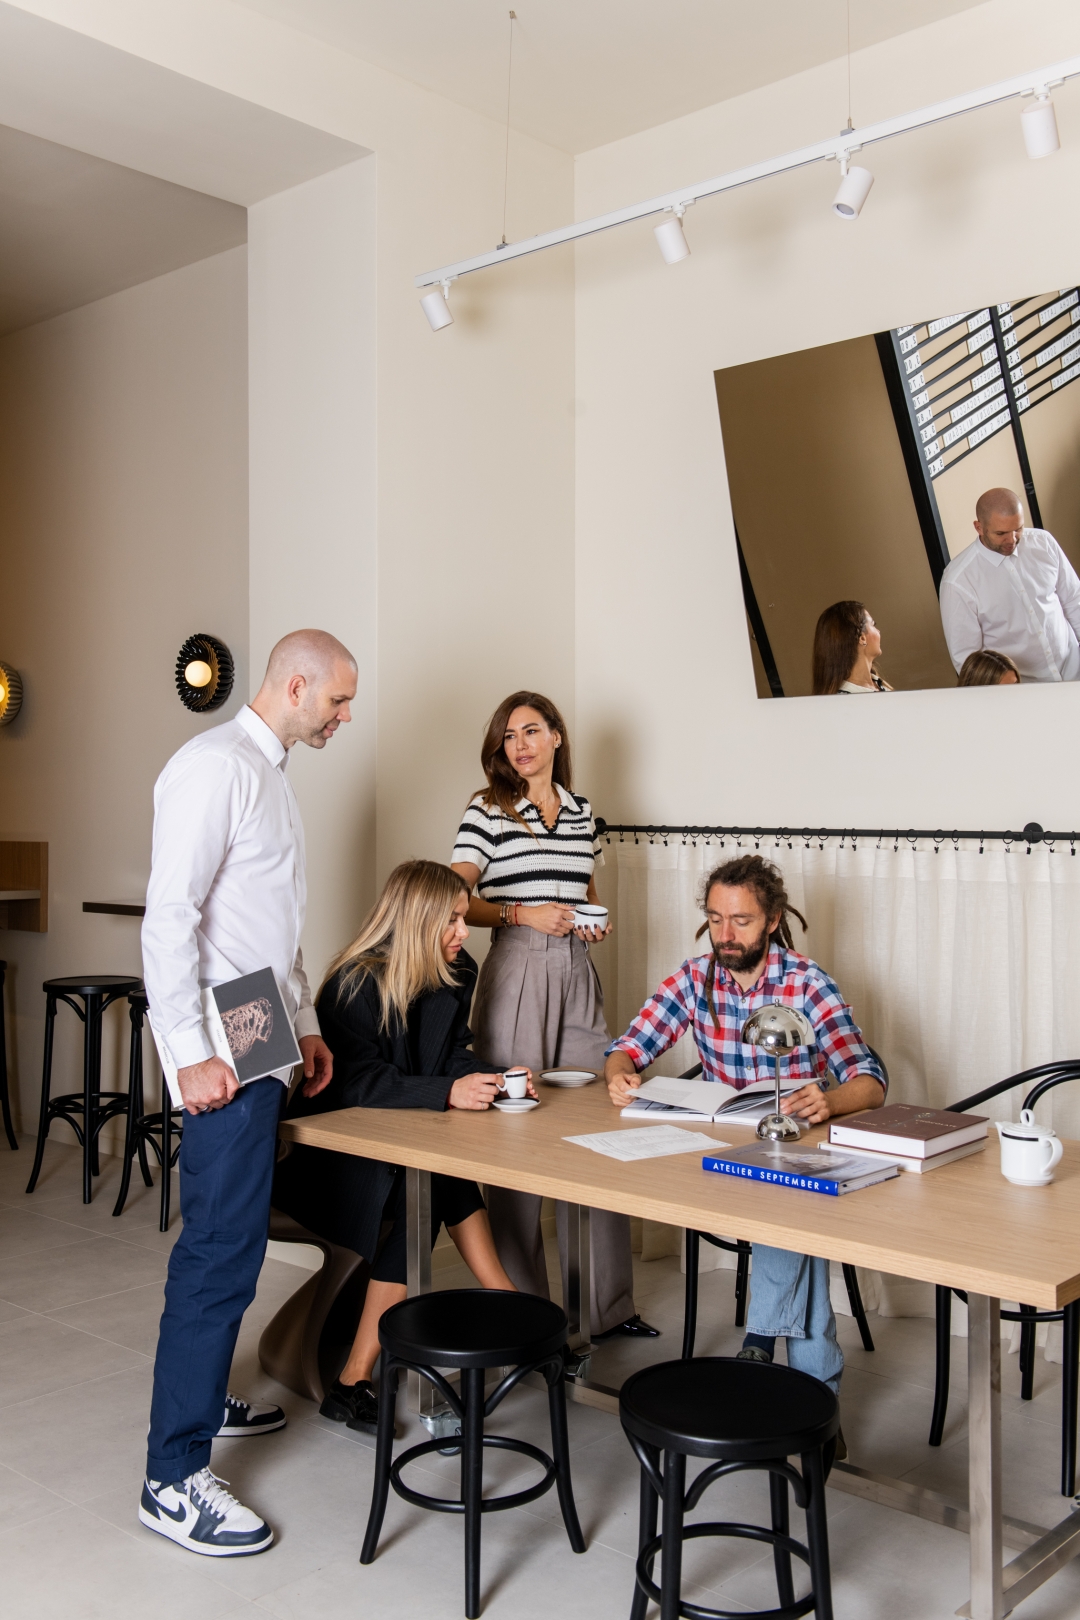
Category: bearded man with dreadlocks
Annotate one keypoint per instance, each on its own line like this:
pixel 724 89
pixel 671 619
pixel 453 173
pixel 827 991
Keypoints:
pixel 752 961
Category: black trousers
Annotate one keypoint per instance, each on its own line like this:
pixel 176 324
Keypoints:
pixel 452 1201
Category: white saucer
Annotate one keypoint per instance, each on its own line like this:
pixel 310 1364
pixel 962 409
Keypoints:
pixel 516 1105
pixel 568 1077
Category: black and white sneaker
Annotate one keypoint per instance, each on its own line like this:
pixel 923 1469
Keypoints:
pixel 200 1514
pixel 244 1417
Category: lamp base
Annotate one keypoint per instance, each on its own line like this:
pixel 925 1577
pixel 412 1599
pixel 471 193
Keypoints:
pixel 779 1128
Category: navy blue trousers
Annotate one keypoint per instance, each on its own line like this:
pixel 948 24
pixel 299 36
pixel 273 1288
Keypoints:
pixel 226 1171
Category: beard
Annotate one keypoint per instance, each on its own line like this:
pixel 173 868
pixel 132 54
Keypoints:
pixel 743 958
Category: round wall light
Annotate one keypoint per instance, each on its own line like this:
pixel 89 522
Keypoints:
pixel 204 673
pixel 10 694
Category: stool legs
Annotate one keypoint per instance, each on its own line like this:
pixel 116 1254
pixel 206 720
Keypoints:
pixel 472 1481
pixel 943 1332
pixel 817 1535
pixel 781 1521
pixel 858 1310
pixel 166 1155
pixel 384 1453
pixel 689 1332
pixel 1070 1372
pixel 560 1456
pixel 671 1555
pixel 46 1082
pixel 5 1101
pixel 742 1281
pixel 647 1506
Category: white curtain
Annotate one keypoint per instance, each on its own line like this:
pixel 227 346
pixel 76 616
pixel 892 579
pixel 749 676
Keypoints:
pixel 959 961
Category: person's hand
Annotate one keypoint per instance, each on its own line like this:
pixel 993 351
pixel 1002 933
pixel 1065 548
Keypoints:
pixel 592 936
pixel 553 919
pixel 809 1103
pixel 622 1084
pixel 318 1064
pixel 474 1091
pixel 207 1086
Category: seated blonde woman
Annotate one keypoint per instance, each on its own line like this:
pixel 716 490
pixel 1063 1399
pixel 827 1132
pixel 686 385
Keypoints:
pixel 988 668
pixel 394 1012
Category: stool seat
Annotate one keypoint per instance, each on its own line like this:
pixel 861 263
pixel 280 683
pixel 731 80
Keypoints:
pixel 474 1327
pixel 741 1411
pixel 87 985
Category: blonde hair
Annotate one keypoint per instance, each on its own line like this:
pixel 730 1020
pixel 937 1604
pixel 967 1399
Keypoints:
pixel 400 940
pixel 986 668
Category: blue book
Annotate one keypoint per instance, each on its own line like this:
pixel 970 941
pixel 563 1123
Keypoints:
pixel 808 1169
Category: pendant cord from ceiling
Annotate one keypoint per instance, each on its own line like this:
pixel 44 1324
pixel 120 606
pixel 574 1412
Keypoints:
pixel 850 125
pixel 506 158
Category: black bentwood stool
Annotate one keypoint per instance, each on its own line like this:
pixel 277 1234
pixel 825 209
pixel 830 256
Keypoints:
pixel 159 1130
pixel 5 1103
pixel 746 1415
pixel 472 1329
pixel 93 1105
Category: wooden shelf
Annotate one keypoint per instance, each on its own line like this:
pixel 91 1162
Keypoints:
pixel 24 886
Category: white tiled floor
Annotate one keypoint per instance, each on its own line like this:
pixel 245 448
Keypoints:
pixel 80 1295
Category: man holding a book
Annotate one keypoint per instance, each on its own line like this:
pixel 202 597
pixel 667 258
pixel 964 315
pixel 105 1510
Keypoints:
pixel 752 961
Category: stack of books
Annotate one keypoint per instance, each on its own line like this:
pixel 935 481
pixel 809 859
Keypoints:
pixel 916 1139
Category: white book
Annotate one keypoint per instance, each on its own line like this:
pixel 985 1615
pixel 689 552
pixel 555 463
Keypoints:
pixel 666 1097
pixel 917 1167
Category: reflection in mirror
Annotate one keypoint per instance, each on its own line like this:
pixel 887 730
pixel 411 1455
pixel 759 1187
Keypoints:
pixel 855 470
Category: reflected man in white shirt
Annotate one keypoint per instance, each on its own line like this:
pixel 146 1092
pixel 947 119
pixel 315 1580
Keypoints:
pixel 226 897
pixel 1014 591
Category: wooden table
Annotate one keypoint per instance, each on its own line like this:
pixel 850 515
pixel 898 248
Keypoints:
pixel 963 1226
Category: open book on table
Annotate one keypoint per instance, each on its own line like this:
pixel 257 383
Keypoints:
pixel 666 1098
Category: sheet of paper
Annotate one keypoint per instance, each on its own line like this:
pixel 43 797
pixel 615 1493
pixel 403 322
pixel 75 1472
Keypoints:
pixel 646 1142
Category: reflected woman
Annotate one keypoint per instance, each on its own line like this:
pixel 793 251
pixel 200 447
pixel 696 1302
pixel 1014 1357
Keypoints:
pixel 527 847
pixel 394 1012
pixel 986 668
pixel 847 645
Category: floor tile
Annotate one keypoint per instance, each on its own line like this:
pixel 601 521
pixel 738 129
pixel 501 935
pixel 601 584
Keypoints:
pixel 40 1355
pixel 87 1268
pixel 130 1318
pixel 74 1566
pixel 90 1432
pixel 22 1500
pixel 25 1232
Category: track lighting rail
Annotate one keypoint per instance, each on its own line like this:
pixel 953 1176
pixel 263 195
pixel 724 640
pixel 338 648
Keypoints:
pixel 1033 83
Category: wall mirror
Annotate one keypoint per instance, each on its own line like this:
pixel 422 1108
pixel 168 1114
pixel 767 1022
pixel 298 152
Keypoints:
pixel 854 469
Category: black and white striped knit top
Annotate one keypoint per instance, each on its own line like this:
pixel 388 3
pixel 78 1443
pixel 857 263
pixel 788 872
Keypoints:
pixel 552 866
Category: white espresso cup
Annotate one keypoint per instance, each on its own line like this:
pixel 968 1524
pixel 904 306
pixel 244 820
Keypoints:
pixel 586 916
pixel 516 1082
pixel 1029 1152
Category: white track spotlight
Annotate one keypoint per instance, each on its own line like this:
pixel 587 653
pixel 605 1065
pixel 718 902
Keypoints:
pixel 1039 124
pixel 434 306
pixel 853 190
pixel 670 238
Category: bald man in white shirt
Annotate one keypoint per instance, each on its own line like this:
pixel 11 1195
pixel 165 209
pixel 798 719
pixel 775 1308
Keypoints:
pixel 1014 591
pixel 226 897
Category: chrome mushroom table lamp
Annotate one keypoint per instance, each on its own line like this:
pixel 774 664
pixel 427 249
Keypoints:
pixel 778 1029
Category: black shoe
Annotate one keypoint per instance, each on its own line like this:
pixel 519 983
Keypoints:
pixel 632 1328
pixel 365 1417
pixel 342 1401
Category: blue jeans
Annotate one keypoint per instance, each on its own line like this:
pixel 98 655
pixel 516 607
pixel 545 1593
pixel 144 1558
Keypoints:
pixel 789 1299
pixel 226 1170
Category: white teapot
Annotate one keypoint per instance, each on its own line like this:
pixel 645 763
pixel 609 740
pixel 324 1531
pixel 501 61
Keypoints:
pixel 1029 1152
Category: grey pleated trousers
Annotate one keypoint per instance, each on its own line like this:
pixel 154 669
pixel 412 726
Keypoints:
pixel 538 1002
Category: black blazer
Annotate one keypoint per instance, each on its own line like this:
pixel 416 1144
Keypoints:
pixel 338 1195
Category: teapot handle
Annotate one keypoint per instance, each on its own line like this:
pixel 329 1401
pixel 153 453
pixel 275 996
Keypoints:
pixel 1057 1148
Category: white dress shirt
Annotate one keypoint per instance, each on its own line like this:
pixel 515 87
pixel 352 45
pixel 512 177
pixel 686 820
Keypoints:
pixel 1026 605
pixel 227 890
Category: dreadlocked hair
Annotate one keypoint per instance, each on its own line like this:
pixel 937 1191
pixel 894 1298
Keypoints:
pixel 767 882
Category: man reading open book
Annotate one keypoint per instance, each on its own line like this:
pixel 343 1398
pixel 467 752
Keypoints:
pixel 752 961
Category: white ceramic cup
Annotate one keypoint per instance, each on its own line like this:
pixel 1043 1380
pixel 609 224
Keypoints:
pixel 516 1082
pixel 1029 1152
pixel 586 916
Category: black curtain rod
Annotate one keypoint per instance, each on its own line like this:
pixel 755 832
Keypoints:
pixel 1032 833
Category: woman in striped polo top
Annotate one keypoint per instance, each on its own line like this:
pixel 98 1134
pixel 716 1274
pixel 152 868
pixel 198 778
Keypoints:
pixel 526 849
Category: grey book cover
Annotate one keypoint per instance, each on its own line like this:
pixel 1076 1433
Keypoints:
pixel 257 1028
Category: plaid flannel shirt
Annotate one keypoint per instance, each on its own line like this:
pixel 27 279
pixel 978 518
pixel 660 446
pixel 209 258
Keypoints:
pixel 795 981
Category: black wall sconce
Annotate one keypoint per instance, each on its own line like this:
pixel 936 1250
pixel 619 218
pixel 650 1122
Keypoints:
pixel 10 694
pixel 204 673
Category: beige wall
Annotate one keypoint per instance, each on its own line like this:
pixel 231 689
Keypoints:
pixel 1052 436
pixel 123 522
pixel 671 728
pixel 821 499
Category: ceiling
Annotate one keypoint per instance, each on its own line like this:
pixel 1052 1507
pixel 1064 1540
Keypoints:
pixel 591 71
pixel 75 228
